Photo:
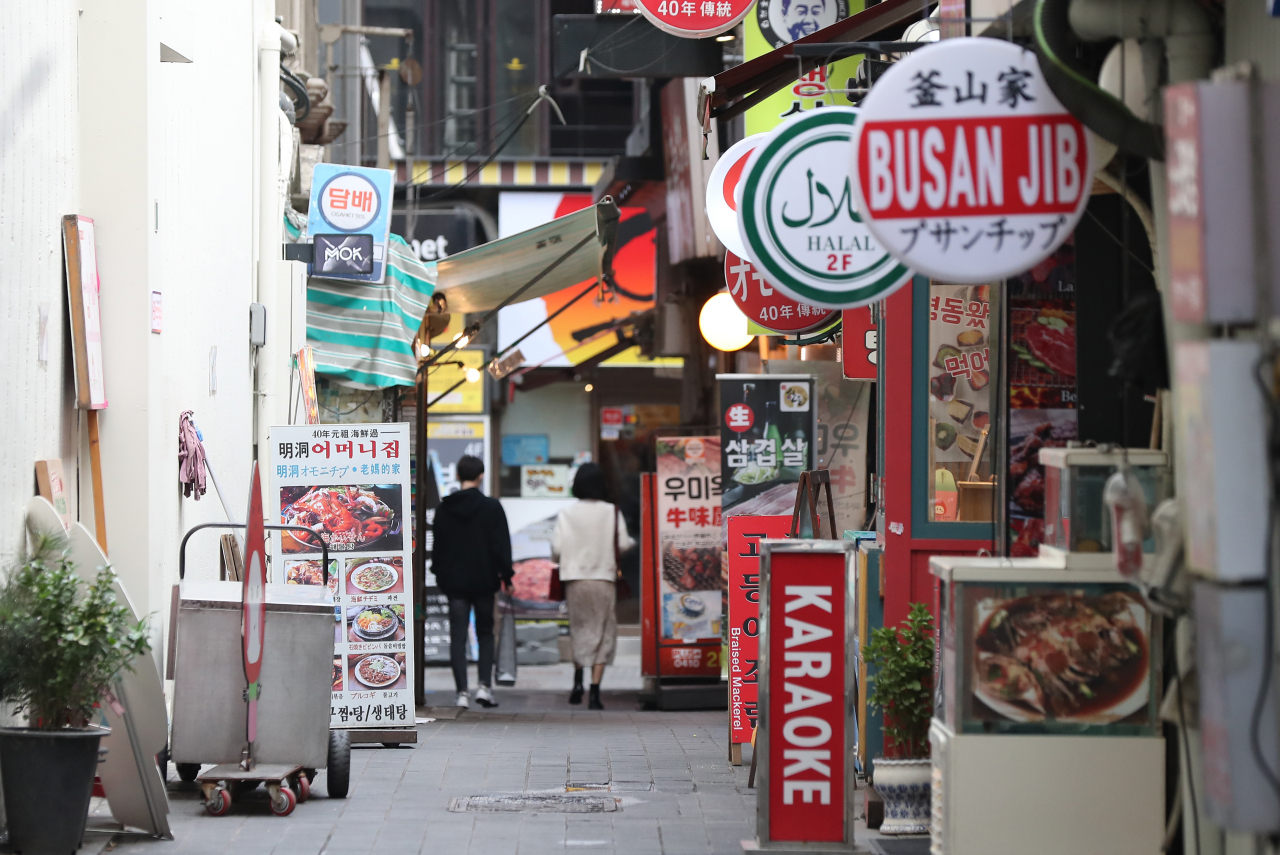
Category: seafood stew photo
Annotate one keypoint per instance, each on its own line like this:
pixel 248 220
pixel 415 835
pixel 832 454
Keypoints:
pixel 1062 656
pixel 349 518
pixel 375 575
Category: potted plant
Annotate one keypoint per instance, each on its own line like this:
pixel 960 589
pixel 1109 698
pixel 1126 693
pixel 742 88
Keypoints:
pixel 62 643
pixel 903 690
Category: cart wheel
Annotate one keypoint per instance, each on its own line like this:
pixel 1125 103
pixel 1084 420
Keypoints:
pixel 338 772
pixel 283 802
pixel 187 771
pixel 219 803
pixel 301 786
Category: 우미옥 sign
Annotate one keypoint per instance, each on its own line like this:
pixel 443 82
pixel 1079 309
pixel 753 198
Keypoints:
pixel 349 201
pixel 966 166
pixel 695 19
pixel 799 220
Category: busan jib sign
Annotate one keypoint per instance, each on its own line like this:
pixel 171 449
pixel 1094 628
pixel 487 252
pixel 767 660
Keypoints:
pixel 798 216
pixel 967 168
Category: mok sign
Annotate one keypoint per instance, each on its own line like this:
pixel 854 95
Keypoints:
pixel 798 216
pixel 807 736
pixel 967 168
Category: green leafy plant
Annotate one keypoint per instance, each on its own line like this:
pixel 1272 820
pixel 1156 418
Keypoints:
pixel 62 641
pixel 903 683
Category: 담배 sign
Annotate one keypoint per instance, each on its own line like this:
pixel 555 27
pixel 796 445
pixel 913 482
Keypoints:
pixel 349 484
pixel 799 221
pixel 768 307
pixel 695 19
pixel 967 168
pixel 347 202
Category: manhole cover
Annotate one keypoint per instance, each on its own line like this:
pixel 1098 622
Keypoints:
pixel 541 803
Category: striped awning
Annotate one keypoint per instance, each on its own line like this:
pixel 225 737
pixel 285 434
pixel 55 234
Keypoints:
pixel 558 172
pixel 363 333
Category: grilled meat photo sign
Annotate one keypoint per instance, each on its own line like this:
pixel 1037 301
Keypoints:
pixel 966 167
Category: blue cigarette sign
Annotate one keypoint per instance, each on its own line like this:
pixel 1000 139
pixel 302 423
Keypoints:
pixel 351 201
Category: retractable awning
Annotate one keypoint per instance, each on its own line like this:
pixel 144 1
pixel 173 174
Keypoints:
pixel 579 245
pixel 733 91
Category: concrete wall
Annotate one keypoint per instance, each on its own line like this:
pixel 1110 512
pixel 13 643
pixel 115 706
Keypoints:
pixel 561 410
pixel 39 183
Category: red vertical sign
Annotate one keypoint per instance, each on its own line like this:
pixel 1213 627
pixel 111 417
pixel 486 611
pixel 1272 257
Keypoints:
pixel 745 534
pixel 806 708
pixel 254 601
pixel 858 344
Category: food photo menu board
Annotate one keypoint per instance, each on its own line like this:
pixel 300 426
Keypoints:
pixel 349 484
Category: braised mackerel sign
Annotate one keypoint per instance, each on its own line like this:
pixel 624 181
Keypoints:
pixel 799 219
pixel 967 167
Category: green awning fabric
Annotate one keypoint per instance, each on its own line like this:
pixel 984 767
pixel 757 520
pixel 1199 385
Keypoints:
pixel 363 333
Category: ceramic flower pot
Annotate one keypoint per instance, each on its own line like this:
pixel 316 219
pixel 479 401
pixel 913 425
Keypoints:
pixel 48 779
pixel 906 788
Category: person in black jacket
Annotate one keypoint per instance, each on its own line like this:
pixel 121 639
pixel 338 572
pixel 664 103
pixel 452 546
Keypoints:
pixel 471 559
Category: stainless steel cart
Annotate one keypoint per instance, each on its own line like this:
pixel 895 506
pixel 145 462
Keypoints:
pixel 208 725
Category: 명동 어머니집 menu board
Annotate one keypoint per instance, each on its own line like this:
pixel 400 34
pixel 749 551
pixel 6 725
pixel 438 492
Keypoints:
pixel 349 484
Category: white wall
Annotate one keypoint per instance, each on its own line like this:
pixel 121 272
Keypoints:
pixel 169 174
pixel 39 183
pixel 561 410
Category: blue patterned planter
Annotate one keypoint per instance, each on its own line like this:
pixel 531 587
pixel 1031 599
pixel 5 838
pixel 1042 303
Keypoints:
pixel 907 792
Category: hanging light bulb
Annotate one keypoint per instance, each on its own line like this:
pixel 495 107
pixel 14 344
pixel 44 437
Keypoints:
pixel 424 350
pixel 473 375
pixel 461 340
pixel 722 324
pixel 588 388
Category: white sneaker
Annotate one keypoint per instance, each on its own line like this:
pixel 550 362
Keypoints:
pixel 462 701
pixel 484 696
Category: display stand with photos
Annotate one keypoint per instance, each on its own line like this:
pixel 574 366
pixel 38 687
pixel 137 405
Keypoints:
pixel 682 590
pixel 1049 676
pixel 350 485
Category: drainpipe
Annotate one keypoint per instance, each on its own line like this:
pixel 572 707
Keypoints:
pixel 1182 25
pixel 269 357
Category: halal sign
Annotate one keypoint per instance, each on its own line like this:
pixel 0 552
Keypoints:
pixel 695 19
pixel 799 220
pixel 967 167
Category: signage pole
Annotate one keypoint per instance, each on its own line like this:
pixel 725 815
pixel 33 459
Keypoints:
pixel 807 734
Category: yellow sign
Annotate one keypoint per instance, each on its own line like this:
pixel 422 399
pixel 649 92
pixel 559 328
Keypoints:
pixel 455 430
pixel 812 91
pixel 467 397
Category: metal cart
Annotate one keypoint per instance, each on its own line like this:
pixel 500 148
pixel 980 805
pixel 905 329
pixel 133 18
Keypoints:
pixel 294 738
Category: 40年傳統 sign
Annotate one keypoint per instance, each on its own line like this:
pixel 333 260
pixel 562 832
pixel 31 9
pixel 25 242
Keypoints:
pixel 695 19
pixel 968 168
pixel 799 221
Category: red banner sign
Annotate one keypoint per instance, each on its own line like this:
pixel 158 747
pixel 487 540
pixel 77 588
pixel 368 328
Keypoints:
pixel 858 344
pixel 745 534
pixel 769 306
pixel 695 19
pixel 807 744
pixel 254 600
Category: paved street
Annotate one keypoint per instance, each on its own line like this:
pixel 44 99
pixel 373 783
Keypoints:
pixel 678 796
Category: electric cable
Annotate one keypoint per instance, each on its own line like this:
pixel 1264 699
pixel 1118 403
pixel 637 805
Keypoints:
pixel 1261 372
pixel 548 319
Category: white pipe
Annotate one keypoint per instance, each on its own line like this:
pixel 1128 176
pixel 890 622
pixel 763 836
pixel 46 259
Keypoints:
pixel 1182 25
pixel 269 357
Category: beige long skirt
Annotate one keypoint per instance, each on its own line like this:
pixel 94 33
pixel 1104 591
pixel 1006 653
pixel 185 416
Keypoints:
pixel 593 621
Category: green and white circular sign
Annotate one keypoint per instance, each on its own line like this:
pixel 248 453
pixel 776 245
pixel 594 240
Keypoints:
pixel 798 217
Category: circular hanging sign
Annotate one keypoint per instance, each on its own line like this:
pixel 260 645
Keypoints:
pixel 722 206
pixel 785 21
pixel 798 219
pixel 695 19
pixel 966 166
pixel 349 202
pixel 768 306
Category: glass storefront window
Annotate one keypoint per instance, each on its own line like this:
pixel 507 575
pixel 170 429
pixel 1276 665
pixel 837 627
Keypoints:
pixel 963 362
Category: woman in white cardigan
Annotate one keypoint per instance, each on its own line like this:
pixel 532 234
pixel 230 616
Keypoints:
pixel 590 534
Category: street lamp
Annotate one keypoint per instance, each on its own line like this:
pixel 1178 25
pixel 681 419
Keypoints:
pixel 723 325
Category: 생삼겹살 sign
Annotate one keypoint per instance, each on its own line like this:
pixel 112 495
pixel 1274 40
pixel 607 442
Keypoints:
pixel 967 168
pixel 799 220
pixel 695 19
pixel 349 484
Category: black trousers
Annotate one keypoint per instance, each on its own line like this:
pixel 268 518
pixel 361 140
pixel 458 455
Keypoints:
pixel 459 620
